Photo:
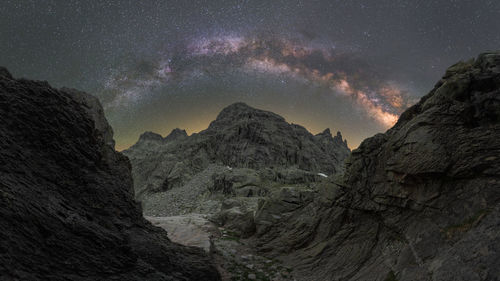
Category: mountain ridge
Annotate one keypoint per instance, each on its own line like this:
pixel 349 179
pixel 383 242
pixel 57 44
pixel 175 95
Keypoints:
pixel 241 137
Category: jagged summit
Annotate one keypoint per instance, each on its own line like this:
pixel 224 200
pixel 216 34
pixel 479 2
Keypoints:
pixel 339 139
pixel 149 136
pixel 176 134
pixel 326 137
pixel 240 137
pixel 327 131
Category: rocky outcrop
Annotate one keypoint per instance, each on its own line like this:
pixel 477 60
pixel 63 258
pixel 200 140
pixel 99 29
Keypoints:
pixel 243 136
pixel 148 138
pixel 253 150
pixel 176 134
pixel 66 197
pixel 420 202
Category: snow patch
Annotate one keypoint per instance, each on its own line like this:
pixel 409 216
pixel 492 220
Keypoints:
pixel 322 175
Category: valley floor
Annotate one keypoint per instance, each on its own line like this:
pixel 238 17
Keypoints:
pixel 235 259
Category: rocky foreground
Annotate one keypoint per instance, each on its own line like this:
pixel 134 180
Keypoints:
pixel 66 198
pixel 420 202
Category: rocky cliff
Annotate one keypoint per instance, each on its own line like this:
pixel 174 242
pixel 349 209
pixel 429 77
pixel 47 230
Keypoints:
pixel 420 202
pixel 66 197
pixel 244 152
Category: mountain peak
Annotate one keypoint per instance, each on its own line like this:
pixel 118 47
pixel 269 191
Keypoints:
pixel 326 132
pixel 176 134
pixel 239 105
pixel 241 110
pixel 150 136
pixel 339 139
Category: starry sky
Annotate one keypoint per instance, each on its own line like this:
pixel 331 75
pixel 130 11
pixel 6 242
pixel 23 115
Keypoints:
pixel 351 66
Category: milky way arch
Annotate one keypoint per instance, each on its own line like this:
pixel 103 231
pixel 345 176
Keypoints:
pixel 345 75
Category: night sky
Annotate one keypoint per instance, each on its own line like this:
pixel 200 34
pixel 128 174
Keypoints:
pixel 351 66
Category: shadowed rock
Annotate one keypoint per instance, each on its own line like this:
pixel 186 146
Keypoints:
pixel 66 199
pixel 240 137
pixel 420 202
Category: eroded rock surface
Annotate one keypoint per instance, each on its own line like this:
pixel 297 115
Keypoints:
pixel 420 202
pixel 240 137
pixel 190 230
pixel 245 152
pixel 66 197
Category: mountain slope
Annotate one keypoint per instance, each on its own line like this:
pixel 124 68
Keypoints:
pixel 420 202
pixel 66 199
pixel 240 137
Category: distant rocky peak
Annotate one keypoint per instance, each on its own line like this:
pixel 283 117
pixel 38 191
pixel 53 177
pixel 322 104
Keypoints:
pixel 326 132
pixel 176 134
pixel 150 136
pixel 240 110
pixel 338 138
pixel 326 135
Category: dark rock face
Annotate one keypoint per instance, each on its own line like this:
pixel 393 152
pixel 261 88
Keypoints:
pixel 66 199
pixel 420 202
pixel 241 137
pixel 246 137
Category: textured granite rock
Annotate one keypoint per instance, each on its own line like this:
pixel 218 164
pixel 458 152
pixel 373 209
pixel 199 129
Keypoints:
pixel 66 197
pixel 240 137
pixel 420 202
pixel 190 230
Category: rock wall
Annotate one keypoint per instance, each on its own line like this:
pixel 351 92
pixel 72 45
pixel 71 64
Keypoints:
pixel 420 202
pixel 66 197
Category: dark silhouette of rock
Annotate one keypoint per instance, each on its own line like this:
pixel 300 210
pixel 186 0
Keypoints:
pixel 420 202
pixel 66 199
